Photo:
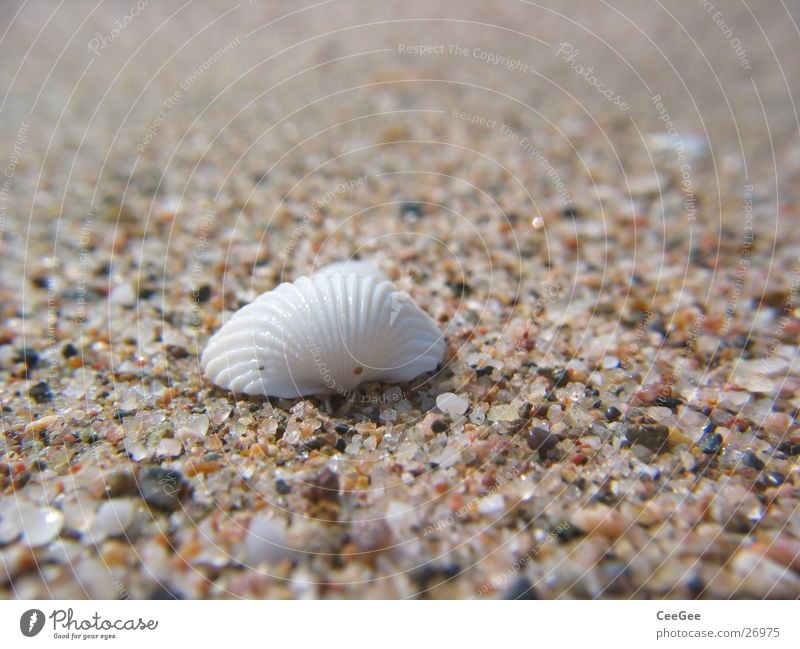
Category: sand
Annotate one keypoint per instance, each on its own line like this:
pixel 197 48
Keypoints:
pixel 596 203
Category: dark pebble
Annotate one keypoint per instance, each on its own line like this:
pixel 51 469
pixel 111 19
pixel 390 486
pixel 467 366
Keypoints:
pixel 37 465
pixel 203 293
pixel 120 415
pixel 521 589
pixel 41 281
pixel 484 371
pixel 21 479
pixel 103 270
pixel 652 437
pixel 565 532
pixel 342 429
pixel 541 440
pixel 710 442
pixel 340 445
pixel 119 483
pixel 323 486
pixel 460 288
pixel 789 448
pixel 451 570
pixel 41 392
pixel 282 487
pixel 618 576
pixel 570 212
pixel 165 592
pixel 176 351
pixel 315 443
pixel 162 488
pixel 742 342
pixel 612 413
pixel 695 585
pixel 69 350
pixel 560 377
pixel 28 356
pixel 771 479
pixel 412 209
pixel 751 460
pixel 438 426
pixel 668 402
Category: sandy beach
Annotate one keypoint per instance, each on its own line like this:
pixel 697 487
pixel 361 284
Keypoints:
pixel 597 204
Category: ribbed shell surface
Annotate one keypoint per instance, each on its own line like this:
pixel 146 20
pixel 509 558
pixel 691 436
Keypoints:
pixel 323 334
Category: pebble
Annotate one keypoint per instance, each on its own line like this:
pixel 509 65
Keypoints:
pixel 477 416
pixel 653 438
pixel 40 392
pixel 775 366
pixel 554 414
pixel 789 448
pixel 560 377
pixel 771 479
pixel 38 425
pixel 503 412
pixel 40 525
pixel 756 383
pixel 733 399
pixel 609 362
pixel 493 504
pixel 123 295
pixel 194 427
pixel 541 440
pixel 451 404
pixel 162 488
pixel 600 519
pixel 112 519
pixel 578 418
pixel 169 447
pixel 113 484
pixel 612 413
pixel 28 356
pixel 668 402
pixel 752 460
pixel 521 589
pixel 267 541
pixel 761 577
pixel 785 550
pixel 710 443
pixel 777 422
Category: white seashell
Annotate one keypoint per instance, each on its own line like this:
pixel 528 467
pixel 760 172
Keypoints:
pixel 324 334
